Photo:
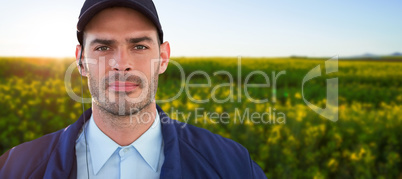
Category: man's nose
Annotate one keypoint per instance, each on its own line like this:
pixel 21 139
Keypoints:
pixel 123 62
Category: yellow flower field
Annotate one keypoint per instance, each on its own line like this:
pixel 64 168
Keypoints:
pixel 283 134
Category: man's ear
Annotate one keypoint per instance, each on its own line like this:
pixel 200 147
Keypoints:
pixel 79 57
pixel 165 56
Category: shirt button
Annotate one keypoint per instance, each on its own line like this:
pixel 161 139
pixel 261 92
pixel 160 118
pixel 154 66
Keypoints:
pixel 126 150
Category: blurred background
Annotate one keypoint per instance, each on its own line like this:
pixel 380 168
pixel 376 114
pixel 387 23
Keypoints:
pixel 47 28
pixel 37 45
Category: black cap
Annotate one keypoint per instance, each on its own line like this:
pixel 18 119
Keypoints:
pixel 92 7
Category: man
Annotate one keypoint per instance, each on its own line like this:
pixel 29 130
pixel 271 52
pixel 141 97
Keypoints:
pixel 125 134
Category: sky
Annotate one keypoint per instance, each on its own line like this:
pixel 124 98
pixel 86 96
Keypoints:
pixel 259 28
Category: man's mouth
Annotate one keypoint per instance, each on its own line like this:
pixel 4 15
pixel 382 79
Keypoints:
pixel 123 86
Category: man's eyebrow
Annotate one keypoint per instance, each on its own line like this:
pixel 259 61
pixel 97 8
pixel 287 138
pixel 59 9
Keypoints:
pixel 102 41
pixel 139 39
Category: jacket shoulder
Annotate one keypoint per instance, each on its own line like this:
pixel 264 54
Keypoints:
pixel 208 142
pixel 24 159
pixel 227 157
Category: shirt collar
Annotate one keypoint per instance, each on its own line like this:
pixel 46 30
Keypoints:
pixel 148 145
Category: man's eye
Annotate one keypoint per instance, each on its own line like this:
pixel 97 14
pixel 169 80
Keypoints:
pixel 103 48
pixel 140 47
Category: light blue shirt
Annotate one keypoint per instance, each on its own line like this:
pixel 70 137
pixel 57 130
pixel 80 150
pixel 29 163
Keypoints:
pixel 107 159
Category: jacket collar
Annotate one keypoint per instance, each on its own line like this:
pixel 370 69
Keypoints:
pixel 62 160
pixel 171 168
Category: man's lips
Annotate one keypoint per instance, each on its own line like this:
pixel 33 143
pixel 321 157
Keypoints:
pixel 123 86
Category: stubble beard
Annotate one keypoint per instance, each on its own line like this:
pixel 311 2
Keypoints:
pixel 121 104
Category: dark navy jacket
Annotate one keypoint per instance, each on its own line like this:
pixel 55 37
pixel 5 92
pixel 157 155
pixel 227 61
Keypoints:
pixel 190 152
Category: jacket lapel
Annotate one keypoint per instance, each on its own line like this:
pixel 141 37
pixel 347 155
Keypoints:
pixel 62 162
pixel 171 167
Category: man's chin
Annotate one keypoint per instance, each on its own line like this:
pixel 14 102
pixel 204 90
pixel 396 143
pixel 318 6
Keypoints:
pixel 117 112
pixel 122 110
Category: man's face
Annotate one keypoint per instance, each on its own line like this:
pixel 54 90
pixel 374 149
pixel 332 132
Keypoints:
pixel 122 60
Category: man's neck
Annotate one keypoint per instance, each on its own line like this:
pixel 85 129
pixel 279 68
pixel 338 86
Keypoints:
pixel 124 130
